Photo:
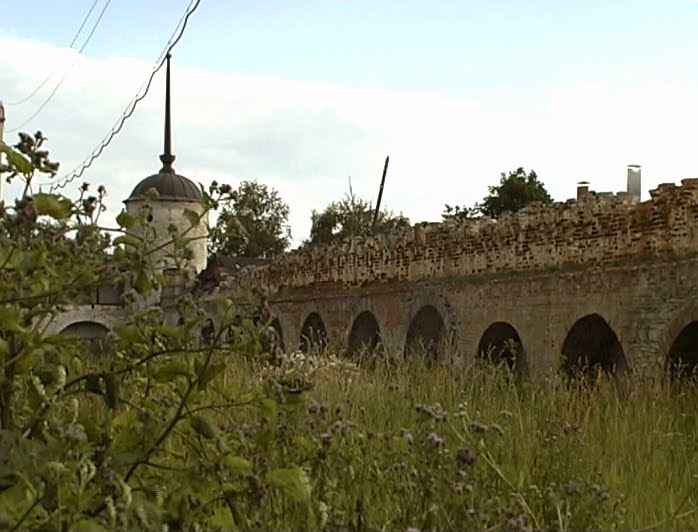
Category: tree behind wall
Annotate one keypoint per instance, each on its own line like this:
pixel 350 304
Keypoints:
pixel 514 192
pixel 351 216
pixel 253 225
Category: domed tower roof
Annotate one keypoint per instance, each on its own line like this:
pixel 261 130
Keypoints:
pixel 169 185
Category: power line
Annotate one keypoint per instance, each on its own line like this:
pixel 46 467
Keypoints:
pixel 179 32
pixel 75 38
pixel 58 85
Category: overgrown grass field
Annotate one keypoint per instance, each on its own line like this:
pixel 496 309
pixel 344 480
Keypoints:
pixel 408 446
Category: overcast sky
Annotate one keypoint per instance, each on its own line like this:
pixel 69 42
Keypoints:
pixel 304 95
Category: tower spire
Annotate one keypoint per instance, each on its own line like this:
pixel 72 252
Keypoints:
pixel 167 158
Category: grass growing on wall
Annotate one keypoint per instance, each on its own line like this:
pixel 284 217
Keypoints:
pixel 405 446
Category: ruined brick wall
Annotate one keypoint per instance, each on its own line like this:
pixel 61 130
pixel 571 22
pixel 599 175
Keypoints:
pixel 592 232
pixel 632 268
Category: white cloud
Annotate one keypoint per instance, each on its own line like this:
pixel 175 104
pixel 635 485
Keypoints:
pixel 307 139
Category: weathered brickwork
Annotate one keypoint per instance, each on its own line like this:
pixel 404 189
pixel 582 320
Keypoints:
pixel 602 280
pixel 646 306
pixel 538 238
pixel 565 278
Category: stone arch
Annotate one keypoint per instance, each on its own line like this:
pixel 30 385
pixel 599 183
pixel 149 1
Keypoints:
pixel 313 333
pixel 92 332
pixel 501 344
pixel 682 356
pixel 230 333
pixel 592 344
pixel 278 333
pixel 365 334
pixel 427 331
pixel 675 345
pixel 108 316
pixel 208 332
pixel 86 329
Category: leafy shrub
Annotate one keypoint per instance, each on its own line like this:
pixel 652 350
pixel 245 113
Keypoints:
pixel 154 428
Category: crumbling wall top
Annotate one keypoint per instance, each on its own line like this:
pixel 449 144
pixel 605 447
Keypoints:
pixel 593 231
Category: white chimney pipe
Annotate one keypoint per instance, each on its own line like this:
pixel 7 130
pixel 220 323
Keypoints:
pixel 634 181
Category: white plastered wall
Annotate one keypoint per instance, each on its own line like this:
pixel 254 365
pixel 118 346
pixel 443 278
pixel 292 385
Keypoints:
pixel 164 214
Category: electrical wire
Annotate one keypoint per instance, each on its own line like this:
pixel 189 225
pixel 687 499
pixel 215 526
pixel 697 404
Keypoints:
pixel 58 85
pixel 75 38
pixel 130 109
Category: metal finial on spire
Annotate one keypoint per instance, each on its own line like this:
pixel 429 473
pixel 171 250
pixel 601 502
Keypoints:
pixel 167 158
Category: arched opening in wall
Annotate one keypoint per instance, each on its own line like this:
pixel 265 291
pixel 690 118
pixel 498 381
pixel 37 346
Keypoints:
pixel 365 336
pixel 426 333
pixel 590 346
pixel 313 333
pixel 208 332
pixel 501 344
pixel 91 332
pixel 276 335
pixel 682 359
pixel 232 330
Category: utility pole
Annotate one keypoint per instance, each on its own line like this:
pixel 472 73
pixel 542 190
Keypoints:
pixel 380 195
pixel 2 139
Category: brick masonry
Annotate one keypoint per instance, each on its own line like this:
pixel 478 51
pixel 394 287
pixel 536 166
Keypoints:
pixel 540 270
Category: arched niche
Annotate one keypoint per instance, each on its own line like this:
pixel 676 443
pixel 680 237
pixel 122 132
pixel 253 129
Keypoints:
pixel 364 336
pixel 208 332
pixel 277 334
pixel 426 333
pixel 313 333
pixel 682 359
pixel 592 345
pixel 501 344
pixel 91 332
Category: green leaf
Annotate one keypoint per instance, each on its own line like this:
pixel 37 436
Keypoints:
pixel 192 216
pixel 87 525
pixel 15 501
pixel 9 319
pixel 176 368
pixel 206 374
pixel 53 205
pixel 126 420
pixel 301 442
pixel 128 240
pixel 25 363
pixel 267 407
pixel 131 333
pixel 126 433
pixel 17 159
pixel 293 482
pixel 222 520
pixel 238 464
pixel 125 220
pixel 142 282
pixel 203 426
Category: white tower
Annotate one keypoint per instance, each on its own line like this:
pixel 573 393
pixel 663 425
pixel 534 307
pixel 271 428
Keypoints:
pixel 175 195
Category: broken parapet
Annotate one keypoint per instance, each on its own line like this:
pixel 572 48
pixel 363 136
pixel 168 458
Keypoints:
pixel 592 232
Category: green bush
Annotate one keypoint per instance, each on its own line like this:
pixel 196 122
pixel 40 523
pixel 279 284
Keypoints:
pixel 154 428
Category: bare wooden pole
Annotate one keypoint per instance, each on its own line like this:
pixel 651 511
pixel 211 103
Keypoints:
pixel 380 194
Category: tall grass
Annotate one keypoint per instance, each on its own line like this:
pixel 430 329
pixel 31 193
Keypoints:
pixel 548 455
